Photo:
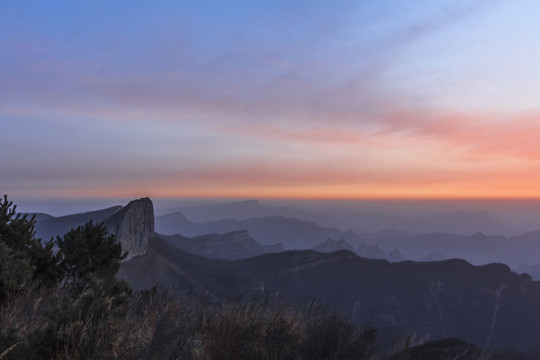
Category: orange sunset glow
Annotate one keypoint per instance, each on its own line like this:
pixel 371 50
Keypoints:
pixel 380 102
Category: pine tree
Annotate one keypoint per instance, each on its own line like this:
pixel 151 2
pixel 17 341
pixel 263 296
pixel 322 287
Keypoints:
pixel 90 250
pixel 91 258
pixel 24 259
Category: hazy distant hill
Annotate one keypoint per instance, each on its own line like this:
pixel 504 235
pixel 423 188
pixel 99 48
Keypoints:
pixel 477 248
pixel 177 223
pixel 456 222
pixel 41 216
pixel 232 246
pixel 291 232
pixel 48 226
pixel 298 234
pixel 240 210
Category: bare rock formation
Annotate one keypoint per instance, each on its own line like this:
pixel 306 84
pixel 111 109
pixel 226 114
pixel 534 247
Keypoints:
pixel 133 226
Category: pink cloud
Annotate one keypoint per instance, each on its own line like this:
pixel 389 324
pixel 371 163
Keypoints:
pixel 486 135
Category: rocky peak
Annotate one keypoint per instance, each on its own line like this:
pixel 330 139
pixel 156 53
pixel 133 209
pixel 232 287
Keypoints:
pixel 133 226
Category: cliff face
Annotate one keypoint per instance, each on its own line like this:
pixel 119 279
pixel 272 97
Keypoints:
pixel 133 226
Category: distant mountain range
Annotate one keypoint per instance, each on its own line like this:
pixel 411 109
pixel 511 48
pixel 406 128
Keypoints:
pixel 240 210
pixel 361 221
pixel 233 245
pixel 291 232
pixel 300 234
pixel 48 226
pixel 477 248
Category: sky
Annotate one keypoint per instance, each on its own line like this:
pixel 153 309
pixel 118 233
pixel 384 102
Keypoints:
pixel 305 99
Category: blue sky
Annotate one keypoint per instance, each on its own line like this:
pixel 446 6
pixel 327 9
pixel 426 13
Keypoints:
pixel 308 99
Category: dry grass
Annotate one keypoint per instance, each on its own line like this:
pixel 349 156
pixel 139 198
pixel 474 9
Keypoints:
pixel 157 327
pixel 8 350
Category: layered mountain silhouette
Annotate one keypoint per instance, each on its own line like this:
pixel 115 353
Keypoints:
pixel 291 232
pixel 456 222
pixel 477 248
pixel 233 245
pixel 299 234
pixel 361 221
pixel 240 210
pixel 487 306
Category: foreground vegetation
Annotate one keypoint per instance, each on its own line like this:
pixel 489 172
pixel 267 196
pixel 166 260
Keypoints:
pixel 60 300
pixel 156 327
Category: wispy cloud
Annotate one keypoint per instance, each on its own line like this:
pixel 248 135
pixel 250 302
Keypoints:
pixel 298 96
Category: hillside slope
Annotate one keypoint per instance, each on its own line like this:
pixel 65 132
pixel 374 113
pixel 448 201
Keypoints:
pixel 486 305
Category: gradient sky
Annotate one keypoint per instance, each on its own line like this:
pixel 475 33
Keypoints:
pixel 305 99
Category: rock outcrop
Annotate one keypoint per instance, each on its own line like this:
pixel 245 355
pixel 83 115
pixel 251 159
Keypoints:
pixel 133 226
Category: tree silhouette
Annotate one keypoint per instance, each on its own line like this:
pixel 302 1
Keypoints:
pixel 24 259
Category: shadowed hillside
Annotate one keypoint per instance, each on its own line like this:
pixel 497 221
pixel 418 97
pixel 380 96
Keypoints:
pixel 486 305
pixel 183 274
pixel 233 245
